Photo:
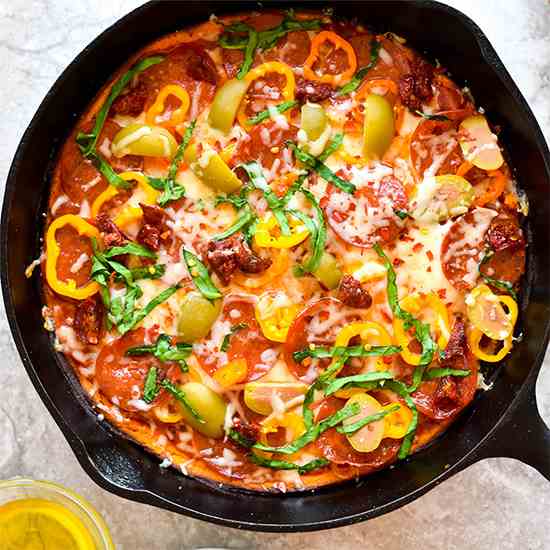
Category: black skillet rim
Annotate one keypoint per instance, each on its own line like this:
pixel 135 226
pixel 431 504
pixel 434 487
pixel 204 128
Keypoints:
pixel 143 495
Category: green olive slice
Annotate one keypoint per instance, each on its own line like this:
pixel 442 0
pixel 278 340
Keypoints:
pixel 226 104
pixel 328 273
pixel 208 405
pixel 379 127
pixel 211 169
pixel 144 140
pixel 196 316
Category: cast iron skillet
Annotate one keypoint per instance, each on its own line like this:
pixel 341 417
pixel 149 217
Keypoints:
pixel 501 422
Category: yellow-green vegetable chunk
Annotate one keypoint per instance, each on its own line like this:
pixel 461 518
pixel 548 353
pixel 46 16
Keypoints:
pixel 313 121
pixel 441 197
pixel 379 126
pixel 479 145
pixel 209 406
pixel 212 170
pixel 226 104
pixel 328 272
pixel 196 317
pixel 144 140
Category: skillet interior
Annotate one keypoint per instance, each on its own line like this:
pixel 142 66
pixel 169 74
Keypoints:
pixel 123 467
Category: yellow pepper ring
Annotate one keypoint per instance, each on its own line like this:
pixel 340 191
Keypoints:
pixel 414 303
pixel 512 306
pixel 397 423
pixel 102 198
pixel 178 115
pixel 290 421
pixel 367 331
pixel 474 337
pixel 485 326
pixel 164 414
pixel 129 213
pixel 274 321
pixel 68 287
pixel 263 236
pixel 261 70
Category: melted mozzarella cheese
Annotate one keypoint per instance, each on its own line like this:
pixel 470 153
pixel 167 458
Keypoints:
pixel 420 252
pixel 209 348
pixel 62 199
pixel 165 315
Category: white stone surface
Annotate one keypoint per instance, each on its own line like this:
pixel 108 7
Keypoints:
pixel 497 503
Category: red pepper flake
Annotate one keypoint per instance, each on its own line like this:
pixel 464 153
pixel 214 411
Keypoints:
pixel 397 262
pixel 430 255
pixel 442 293
pixel 418 247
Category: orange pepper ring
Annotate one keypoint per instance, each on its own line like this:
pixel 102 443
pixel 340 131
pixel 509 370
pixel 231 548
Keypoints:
pixel 177 116
pixel 494 190
pixel 340 44
pixel 366 89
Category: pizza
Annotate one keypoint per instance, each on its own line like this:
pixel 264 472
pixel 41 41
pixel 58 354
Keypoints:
pixel 278 247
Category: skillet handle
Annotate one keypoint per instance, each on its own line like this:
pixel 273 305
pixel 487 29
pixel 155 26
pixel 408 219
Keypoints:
pixel 522 434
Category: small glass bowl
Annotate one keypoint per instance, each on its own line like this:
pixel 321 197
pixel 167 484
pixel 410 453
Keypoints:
pixel 21 488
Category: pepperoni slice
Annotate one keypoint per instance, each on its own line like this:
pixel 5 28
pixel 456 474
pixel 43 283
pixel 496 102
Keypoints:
pixel 443 398
pixel 80 179
pixel 506 240
pixel 73 248
pixel 463 246
pixel 395 64
pixel 313 326
pixel 506 265
pixel 265 21
pixel 233 59
pixel 361 44
pixel 449 97
pixel 248 343
pixel 121 377
pixel 189 66
pixel 84 183
pixel 265 145
pixel 225 458
pixel 263 92
pixel 70 158
pixel 294 48
pixel 434 148
pixel 369 215
pixel 336 448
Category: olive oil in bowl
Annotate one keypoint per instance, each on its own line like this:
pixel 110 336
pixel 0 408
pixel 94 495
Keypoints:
pixel 37 515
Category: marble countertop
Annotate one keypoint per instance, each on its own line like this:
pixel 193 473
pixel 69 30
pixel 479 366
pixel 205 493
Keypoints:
pixel 497 503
